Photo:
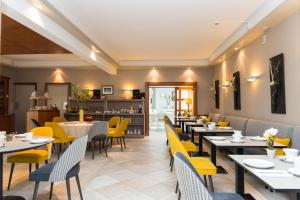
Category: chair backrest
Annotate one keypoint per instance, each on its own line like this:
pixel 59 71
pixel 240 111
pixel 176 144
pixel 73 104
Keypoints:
pixel 35 123
pixel 71 157
pixel 59 119
pixel 114 122
pixel 190 183
pixel 98 128
pixel 44 131
pixel 175 144
pixel 120 130
pixel 58 131
pixel 296 137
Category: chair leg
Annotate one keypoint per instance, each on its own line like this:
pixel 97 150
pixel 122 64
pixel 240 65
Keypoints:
pixel 100 146
pixel 177 186
pixel 111 141
pixel 205 181
pixel 59 151
pixel 68 189
pixel 172 164
pixel 10 175
pixel 171 161
pixel 30 166
pixel 51 190
pixel 179 195
pixel 37 166
pixel 79 187
pixel 124 142
pixel 211 183
pixel 121 143
pixel 36 187
pixel 46 162
pixel 106 144
pixel 93 154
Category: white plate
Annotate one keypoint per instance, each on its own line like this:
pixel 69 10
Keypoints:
pixel 258 163
pixel 38 141
pixel 226 127
pixel 294 171
pixel 201 129
pixel 20 135
pixel 218 138
pixel 25 140
pixel 237 141
pixel 258 138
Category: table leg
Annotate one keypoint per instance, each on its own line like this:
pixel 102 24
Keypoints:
pixel 239 151
pixel 200 145
pixel 213 155
pixel 294 196
pixel 193 136
pixel 239 180
pixel 1 176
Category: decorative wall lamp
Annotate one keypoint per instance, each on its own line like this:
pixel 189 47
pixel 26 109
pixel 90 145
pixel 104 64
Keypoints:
pixel 251 78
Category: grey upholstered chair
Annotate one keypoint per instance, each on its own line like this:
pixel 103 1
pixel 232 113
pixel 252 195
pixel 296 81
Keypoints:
pixel 191 185
pixel 98 133
pixel 64 169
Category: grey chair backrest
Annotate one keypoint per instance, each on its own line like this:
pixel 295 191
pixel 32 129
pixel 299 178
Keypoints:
pixel 238 123
pixel 296 137
pixel 190 183
pixel 258 127
pixel 71 157
pixel 98 128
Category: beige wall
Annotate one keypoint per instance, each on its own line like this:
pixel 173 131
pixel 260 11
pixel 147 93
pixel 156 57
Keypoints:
pixel 9 72
pixel 125 79
pixel 253 60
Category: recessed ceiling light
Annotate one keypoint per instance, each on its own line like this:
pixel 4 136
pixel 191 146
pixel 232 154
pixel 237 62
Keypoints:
pixel 236 48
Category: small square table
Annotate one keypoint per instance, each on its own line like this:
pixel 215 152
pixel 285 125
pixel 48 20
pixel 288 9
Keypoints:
pixel 204 131
pixel 248 143
pixel 192 124
pixel 290 184
pixel 183 120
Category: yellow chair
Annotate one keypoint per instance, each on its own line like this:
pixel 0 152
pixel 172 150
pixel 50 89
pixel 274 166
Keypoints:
pixel 283 141
pixel 203 166
pixel 223 123
pixel 188 145
pixel 118 133
pixel 113 122
pixel 59 119
pixel 59 135
pixel 32 156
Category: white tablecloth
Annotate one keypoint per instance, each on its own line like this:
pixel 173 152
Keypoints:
pixel 75 128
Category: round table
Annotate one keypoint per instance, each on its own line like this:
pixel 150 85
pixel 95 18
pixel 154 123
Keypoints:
pixel 75 128
pixel 13 146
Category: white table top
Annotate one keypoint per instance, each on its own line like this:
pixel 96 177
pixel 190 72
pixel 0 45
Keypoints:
pixel 193 123
pixel 18 145
pixel 247 142
pixel 284 184
pixel 216 130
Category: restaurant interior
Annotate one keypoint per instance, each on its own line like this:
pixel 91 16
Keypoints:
pixel 150 100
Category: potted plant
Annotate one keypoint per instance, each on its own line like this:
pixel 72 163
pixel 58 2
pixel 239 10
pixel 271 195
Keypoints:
pixel 270 136
pixel 81 96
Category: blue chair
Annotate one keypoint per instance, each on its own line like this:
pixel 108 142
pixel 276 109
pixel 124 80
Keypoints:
pixel 191 185
pixel 64 169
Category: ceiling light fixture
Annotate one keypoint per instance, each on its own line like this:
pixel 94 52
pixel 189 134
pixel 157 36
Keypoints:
pixel 236 48
pixel 251 78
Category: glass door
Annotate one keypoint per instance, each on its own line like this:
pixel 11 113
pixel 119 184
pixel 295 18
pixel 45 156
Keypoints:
pixel 184 101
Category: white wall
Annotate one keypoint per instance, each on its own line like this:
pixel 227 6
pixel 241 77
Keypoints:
pixel 254 60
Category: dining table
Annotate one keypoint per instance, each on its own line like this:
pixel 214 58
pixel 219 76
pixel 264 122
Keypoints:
pixel 238 146
pixel 277 176
pixel 17 144
pixel 188 125
pixel 184 120
pixel 76 128
pixel 206 131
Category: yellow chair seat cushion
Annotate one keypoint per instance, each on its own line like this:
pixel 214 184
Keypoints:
pixel 283 141
pixel 28 156
pixel 111 129
pixel 208 119
pixel 69 138
pixel 178 130
pixel 189 146
pixel 223 123
pixel 113 134
pixel 203 166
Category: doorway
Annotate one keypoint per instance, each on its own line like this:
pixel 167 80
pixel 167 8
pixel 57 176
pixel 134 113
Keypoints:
pixel 59 94
pixel 168 98
pixel 22 92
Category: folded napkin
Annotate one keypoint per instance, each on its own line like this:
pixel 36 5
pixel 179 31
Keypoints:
pixel 273 173
pixel 221 142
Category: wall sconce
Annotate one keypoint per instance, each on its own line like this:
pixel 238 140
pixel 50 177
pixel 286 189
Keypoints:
pixel 224 86
pixel 251 78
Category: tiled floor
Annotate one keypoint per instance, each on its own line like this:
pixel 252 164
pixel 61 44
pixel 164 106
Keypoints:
pixel 140 172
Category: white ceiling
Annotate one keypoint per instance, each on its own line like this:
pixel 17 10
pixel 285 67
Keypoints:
pixel 157 29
